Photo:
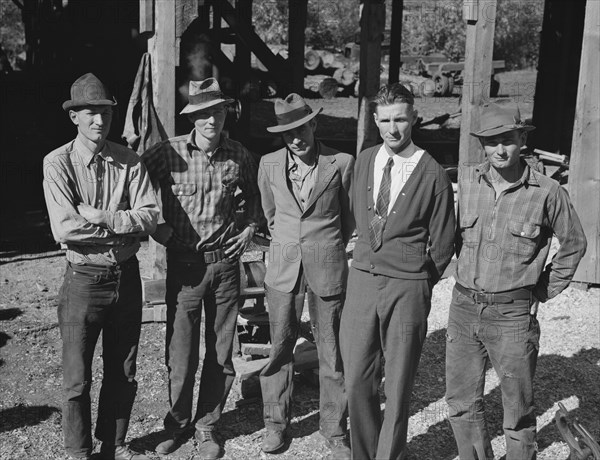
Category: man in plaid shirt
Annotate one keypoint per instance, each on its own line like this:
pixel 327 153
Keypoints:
pixel 507 215
pixel 198 175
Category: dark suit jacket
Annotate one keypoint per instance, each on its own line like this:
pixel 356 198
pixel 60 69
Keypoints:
pixel 418 239
pixel 315 238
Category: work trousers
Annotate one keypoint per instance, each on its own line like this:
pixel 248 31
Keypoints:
pixel 276 379
pixel 96 299
pixel 386 317
pixel 508 336
pixel 189 286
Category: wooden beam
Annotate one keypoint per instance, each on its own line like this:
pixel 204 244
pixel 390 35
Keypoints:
pixel 297 26
pixel 162 49
pixel 396 41
pixel 146 16
pixel 584 178
pixel 372 23
pixel 480 16
pixel 276 65
pixel 243 66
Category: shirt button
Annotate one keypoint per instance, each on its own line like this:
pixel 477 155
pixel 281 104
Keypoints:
pixel 369 187
pixel 372 266
pixel 180 193
pixel 369 208
pixel 522 233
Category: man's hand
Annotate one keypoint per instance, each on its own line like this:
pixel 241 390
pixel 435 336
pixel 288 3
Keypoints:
pixel 163 233
pixel 534 306
pixel 93 215
pixel 236 245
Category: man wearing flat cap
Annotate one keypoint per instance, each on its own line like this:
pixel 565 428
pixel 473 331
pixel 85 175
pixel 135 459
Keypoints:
pixel 304 190
pixel 100 202
pixel 197 176
pixel 507 215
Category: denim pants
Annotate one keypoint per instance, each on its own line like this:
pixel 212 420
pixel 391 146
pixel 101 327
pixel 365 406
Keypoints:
pixel 508 336
pixel 382 316
pixel 276 379
pixel 92 300
pixel 189 285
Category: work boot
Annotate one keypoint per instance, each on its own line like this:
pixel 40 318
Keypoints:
pixel 273 441
pixel 339 449
pixel 110 452
pixel 208 448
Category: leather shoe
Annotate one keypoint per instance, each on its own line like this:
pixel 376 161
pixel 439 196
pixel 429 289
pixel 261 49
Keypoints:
pixel 339 449
pixel 273 441
pixel 209 448
pixel 173 442
pixel 109 452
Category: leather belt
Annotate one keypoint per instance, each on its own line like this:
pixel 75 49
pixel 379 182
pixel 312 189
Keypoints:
pixel 495 297
pixel 208 257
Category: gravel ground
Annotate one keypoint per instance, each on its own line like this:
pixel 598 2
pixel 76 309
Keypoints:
pixel 30 371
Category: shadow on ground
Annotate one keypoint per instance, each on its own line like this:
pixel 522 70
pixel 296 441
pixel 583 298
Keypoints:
pixel 22 416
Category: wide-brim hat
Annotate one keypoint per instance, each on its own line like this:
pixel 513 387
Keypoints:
pixel 88 90
pixel 497 119
pixel 291 112
pixel 204 94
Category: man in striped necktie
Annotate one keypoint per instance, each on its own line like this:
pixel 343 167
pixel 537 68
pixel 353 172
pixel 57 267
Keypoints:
pixel 403 204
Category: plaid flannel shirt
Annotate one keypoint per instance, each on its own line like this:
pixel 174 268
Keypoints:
pixel 198 191
pixel 503 244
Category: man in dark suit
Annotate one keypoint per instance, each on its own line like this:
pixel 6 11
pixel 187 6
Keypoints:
pixel 403 204
pixel 304 190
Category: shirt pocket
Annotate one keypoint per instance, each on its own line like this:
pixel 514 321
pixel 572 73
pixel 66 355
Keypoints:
pixel 468 228
pixel 186 195
pixel 523 238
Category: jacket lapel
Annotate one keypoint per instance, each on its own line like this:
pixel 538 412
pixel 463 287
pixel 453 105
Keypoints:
pixel 325 172
pixel 281 177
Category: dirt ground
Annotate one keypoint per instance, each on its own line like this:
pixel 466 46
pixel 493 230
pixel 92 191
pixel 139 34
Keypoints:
pixel 31 373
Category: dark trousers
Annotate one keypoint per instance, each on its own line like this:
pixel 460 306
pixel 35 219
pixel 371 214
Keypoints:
pixel 189 285
pixel 276 379
pixel 382 316
pixel 94 300
pixel 508 336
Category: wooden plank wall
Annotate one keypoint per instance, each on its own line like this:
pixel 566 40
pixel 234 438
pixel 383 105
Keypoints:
pixel 584 178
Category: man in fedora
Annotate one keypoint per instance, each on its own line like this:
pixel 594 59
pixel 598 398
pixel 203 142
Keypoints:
pixel 507 214
pixel 304 190
pixel 403 204
pixel 100 202
pixel 198 175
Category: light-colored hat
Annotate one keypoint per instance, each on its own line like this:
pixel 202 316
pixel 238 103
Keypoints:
pixel 291 112
pixel 204 94
pixel 88 90
pixel 497 119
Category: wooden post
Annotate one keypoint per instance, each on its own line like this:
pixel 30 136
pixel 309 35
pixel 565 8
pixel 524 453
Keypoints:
pixel 297 25
pixel 584 178
pixel 242 62
pixel 396 41
pixel 162 49
pixel 481 20
pixel 372 23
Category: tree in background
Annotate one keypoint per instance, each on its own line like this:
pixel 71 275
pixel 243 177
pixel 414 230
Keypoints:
pixel 437 26
pixel 12 31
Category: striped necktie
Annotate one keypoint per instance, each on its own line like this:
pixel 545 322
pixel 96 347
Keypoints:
pixel 381 207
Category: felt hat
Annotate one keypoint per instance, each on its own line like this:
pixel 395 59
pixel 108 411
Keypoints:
pixel 497 119
pixel 291 112
pixel 88 90
pixel 204 94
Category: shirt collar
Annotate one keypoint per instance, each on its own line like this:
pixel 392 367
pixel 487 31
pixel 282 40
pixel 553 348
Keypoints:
pixel 88 156
pixel 407 151
pixel 191 143
pixel 527 178
pixel 291 158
